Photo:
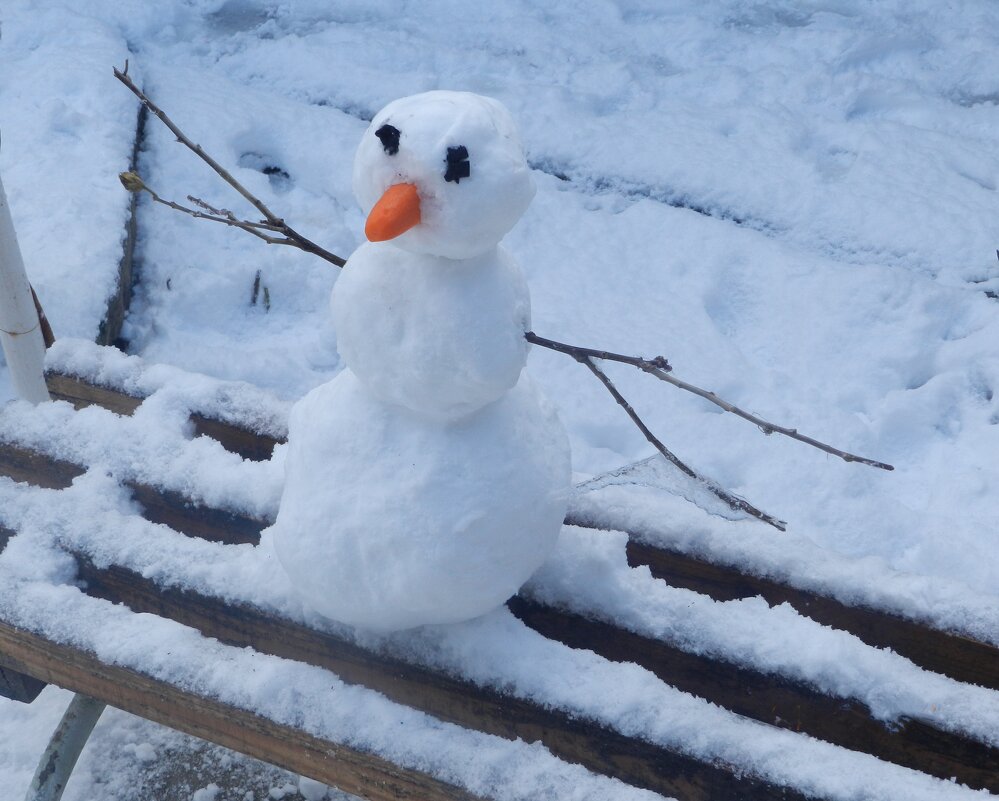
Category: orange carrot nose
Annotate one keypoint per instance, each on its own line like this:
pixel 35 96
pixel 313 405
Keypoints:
pixel 396 212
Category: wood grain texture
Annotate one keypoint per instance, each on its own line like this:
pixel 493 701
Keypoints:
pixel 574 739
pixel 357 772
pixel 962 658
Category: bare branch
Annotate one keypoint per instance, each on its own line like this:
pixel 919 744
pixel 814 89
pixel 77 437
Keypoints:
pixel 661 369
pixel 734 502
pixel 658 362
pixel 276 223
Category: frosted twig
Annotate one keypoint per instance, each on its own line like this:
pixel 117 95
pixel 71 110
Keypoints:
pixel 734 502
pixel 291 236
pixel 661 369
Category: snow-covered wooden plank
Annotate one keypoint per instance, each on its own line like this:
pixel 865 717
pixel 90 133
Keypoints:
pixel 952 654
pixel 596 747
pixel 775 699
pixel 955 655
pixel 14 685
pixel 247 443
pixel 769 698
pixel 363 774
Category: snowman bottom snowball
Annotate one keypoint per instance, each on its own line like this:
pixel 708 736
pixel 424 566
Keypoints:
pixel 390 520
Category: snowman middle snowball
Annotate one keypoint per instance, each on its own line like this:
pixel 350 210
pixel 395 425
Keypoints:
pixel 427 481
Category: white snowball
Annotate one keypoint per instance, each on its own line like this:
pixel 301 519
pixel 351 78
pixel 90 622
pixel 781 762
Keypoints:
pixel 438 336
pixel 460 218
pixel 390 520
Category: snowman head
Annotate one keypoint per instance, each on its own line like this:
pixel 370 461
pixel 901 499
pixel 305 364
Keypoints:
pixel 442 173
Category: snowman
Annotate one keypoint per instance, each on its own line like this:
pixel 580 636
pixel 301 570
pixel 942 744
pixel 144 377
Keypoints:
pixel 429 479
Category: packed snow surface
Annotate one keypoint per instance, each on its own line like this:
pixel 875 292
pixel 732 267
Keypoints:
pixel 442 337
pixel 795 203
pixel 389 520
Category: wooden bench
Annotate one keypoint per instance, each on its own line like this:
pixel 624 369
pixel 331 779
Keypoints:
pixel 28 659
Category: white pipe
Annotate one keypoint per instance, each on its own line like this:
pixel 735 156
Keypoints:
pixel 20 331
pixel 64 749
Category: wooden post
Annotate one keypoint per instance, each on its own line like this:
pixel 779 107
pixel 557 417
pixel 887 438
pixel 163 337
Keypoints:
pixel 20 330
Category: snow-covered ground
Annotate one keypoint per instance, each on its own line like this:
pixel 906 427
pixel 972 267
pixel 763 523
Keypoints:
pixel 795 203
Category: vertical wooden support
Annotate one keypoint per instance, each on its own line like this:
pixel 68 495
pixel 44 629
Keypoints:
pixel 20 329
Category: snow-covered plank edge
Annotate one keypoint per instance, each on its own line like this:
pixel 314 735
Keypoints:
pixel 238 403
pixel 247 443
pixel 957 655
pixel 599 748
pixel 742 689
pixel 13 685
pixel 355 771
pixel 953 654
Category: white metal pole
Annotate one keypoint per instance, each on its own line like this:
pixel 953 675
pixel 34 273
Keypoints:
pixel 64 749
pixel 20 330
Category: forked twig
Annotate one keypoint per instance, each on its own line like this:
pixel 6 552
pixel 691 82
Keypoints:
pixel 661 369
pixel 734 502
pixel 291 236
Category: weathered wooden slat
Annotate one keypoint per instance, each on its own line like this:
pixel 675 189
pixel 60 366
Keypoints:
pixel 600 749
pixel 363 774
pixel 82 394
pixel 247 443
pixel 962 658
pixel 775 699
pixel 159 506
pixel 771 699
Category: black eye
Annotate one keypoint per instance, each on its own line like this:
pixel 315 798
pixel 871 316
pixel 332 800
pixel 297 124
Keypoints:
pixel 389 136
pixel 457 164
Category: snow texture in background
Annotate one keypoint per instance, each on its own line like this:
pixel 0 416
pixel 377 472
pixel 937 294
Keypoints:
pixel 794 202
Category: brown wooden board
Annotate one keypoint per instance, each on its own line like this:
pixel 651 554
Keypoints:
pixel 775 699
pixel 247 443
pixel 600 749
pixel 772 699
pixel 962 658
pixel 357 772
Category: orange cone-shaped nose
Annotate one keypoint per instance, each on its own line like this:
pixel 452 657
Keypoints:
pixel 396 212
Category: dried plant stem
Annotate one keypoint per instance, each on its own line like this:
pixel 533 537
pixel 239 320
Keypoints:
pixel 734 502
pixel 660 368
pixel 278 225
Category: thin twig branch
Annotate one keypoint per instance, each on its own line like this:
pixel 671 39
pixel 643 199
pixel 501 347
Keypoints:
pixel 734 502
pixel 279 225
pixel 658 362
pixel 655 367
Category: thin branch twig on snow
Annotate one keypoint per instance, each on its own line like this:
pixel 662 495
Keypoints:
pixel 734 502
pixel 291 236
pixel 661 369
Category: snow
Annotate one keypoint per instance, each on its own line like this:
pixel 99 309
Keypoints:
pixel 389 520
pixel 441 337
pixel 795 203
pixel 458 220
